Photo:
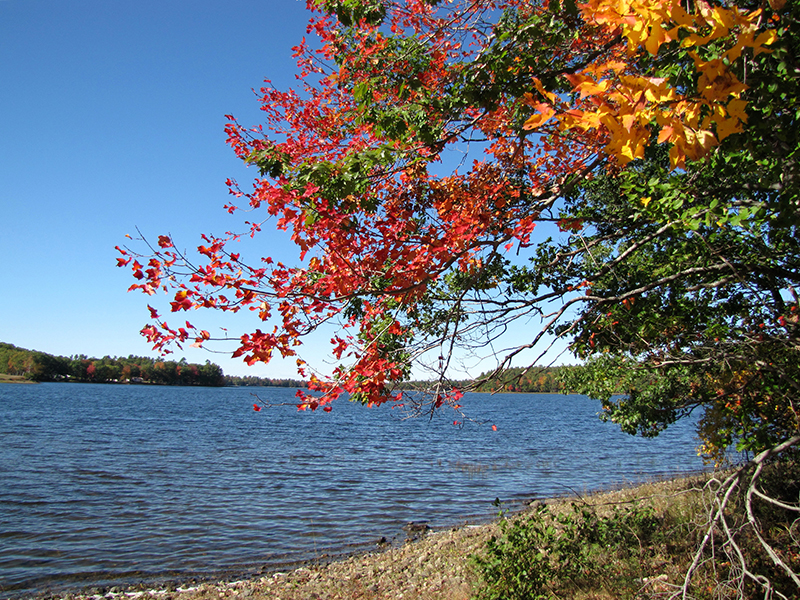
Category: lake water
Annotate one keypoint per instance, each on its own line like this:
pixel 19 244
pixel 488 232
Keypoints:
pixel 106 485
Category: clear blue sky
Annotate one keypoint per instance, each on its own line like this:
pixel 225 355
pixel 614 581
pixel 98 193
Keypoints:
pixel 111 118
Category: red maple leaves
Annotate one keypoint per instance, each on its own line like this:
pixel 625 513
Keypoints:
pixel 350 166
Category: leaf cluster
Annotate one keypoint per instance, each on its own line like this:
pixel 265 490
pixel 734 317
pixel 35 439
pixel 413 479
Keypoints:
pixel 623 173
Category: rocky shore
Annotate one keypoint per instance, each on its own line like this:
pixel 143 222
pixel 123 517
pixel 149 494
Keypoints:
pixel 433 564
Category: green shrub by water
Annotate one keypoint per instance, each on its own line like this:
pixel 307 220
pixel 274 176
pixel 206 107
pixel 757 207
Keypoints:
pixel 549 554
pixel 643 547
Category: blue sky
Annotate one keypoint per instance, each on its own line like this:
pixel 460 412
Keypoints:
pixel 112 118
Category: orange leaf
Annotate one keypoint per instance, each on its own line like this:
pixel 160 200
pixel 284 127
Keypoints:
pixel 536 121
pixel 665 134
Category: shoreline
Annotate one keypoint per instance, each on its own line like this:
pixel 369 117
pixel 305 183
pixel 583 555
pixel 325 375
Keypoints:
pixel 5 378
pixel 429 564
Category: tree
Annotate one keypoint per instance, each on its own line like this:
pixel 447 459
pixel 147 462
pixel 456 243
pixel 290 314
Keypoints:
pixel 47 367
pixel 210 374
pixel 543 102
pixel 655 143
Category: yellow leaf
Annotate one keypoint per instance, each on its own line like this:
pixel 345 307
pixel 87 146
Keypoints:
pixel 692 40
pixel 636 35
pixel 537 120
pixel 704 8
pixel 765 39
pixel 692 113
pixel 591 88
pixel 711 70
pixel 587 86
pixel 665 134
pixel 698 143
pixel 626 153
pixel 658 92
pixel 657 37
pixel 540 88
pixel 616 66
pixel 632 148
pixel 726 127
pixel 646 201
pixel 706 139
pixel 725 17
pixel 628 121
pixel 586 120
pixel 680 16
pixel 677 157
pixel 736 109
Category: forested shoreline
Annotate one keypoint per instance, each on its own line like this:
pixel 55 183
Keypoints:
pixel 253 381
pixel 34 365
pixel 538 380
pixel 41 366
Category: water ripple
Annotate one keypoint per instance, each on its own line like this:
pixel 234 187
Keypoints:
pixel 103 485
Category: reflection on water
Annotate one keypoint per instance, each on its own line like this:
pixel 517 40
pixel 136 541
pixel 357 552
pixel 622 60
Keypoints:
pixel 106 484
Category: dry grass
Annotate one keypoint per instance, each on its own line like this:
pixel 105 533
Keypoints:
pixel 5 378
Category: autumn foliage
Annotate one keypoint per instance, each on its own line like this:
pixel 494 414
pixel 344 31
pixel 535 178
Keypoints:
pixel 425 143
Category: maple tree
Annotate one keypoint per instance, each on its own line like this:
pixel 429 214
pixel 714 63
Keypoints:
pixel 626 172
pixel 427 141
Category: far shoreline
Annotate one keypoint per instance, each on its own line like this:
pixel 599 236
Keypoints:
pixel 4 378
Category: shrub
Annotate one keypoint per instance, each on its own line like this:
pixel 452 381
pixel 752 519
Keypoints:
pixel 547 553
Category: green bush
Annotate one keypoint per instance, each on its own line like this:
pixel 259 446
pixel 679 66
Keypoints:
pixel 549 554
pixel 674 542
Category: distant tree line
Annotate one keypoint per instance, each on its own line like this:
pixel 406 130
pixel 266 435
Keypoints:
pixel 535 380
pixel 531 380
pixel 540 380
pixel 253 381
pixel 40 366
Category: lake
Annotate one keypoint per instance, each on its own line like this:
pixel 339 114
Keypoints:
pixel 106 485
